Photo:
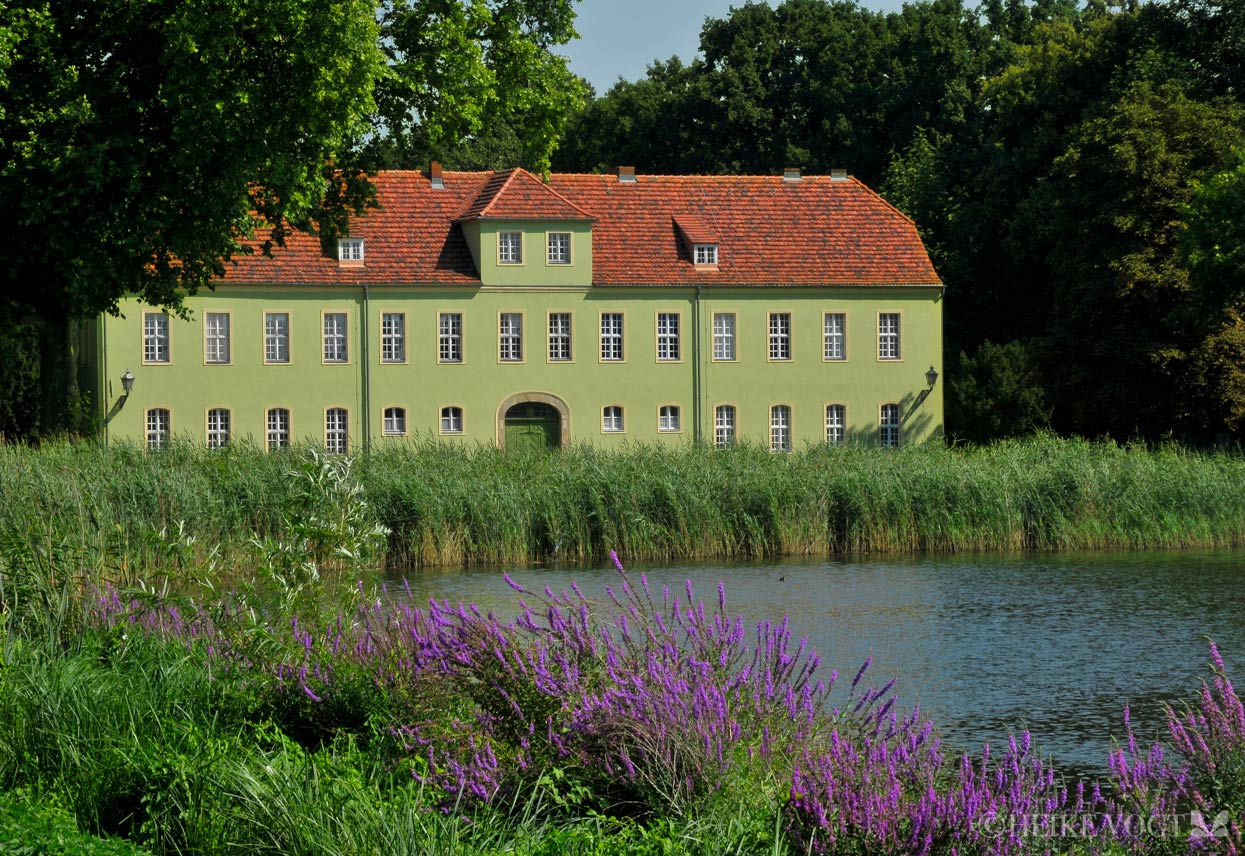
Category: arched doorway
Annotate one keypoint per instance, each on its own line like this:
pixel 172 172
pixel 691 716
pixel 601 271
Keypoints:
pixel 533 420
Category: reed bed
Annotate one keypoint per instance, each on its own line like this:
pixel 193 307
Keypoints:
pixel 447 505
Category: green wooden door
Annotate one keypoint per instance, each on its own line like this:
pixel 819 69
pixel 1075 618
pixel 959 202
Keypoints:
pixel 533 425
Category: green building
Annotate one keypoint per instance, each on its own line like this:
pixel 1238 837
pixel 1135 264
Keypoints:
pixel 500 308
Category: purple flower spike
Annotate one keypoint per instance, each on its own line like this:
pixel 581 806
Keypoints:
pixel 861 673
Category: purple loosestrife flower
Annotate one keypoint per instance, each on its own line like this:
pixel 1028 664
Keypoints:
pixel 860 674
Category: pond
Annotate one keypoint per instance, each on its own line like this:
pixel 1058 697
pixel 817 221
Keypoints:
pixel 989 646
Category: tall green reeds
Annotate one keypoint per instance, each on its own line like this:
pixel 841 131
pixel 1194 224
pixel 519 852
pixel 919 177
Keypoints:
pixel 448 505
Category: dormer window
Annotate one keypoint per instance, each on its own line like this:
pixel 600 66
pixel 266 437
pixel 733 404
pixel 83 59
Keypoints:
pixel 350 250
pixel 706 254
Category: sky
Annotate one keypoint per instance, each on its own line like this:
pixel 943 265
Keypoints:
pixel 621 38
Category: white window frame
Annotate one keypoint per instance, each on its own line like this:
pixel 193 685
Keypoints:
pixel 780 428
pixel 888 336
pixel 612 326
pixel 510 248
pixel 276 338
pixel 834 337
pixel 668 344
pixel 725 419
pixel 219 420
pixel 889 425
pixel 705 254
pixel 156 350
pixel 836 423
pixel 277 428
pixel 510 337
pixel 558 248
pixel 612 419
pixel 393 337
pixel 216 338
pixel 669 419
pixel 451 419
pixel 336 430
pixel 159 427
pixel 449 337
pixel 559 337
pixel 336 341
pixel 780 337
pixel 724 336
pixel 393 420
pixel 350 249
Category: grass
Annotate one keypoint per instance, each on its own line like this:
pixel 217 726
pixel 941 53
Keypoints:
pixel 446 505
pixel 160 724
pixel 286 717
pixel 135 747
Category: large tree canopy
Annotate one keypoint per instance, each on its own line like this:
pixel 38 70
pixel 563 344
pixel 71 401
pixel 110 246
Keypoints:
pixel 475 83
pixel 141 143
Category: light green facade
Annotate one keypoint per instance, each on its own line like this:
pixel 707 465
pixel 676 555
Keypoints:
pixel 534 269
pixel 484 386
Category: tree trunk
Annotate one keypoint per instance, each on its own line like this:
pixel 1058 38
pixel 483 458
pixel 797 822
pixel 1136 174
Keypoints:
pixel 60 404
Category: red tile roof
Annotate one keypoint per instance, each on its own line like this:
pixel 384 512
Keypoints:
pixel 516 194
pixel 696 230
pixel 816 231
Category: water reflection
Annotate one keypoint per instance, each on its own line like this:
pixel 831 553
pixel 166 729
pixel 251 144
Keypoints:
pixel 988 646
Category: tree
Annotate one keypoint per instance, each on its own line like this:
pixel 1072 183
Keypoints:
pixel 1213 243
pixel 1214 236
pixel 655 124
pixel 997 392
pixel 459 69
pixel 1110 215
pixel 143 144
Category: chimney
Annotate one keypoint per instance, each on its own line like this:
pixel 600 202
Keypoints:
pixel 434 173
pixel 838 175
pixel 791 173
pixel 626 175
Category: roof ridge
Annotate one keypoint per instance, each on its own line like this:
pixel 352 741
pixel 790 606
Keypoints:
pixel 500 183
pixel 550 189
pixel 496 194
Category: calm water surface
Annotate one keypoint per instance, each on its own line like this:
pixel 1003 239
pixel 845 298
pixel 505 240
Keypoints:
pixel 987 646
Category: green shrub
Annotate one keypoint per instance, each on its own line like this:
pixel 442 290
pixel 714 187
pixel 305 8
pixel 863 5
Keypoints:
pixel 30 826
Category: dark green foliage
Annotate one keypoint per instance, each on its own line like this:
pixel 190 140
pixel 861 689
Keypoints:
pixel 139 140
pixel 995 393
pixel 780 87
pixel 19 382
pixel 1214 244
pixel 1121 287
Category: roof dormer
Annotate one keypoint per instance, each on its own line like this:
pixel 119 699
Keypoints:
pixel 700 238
pixel 522 232
pixel 350 252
